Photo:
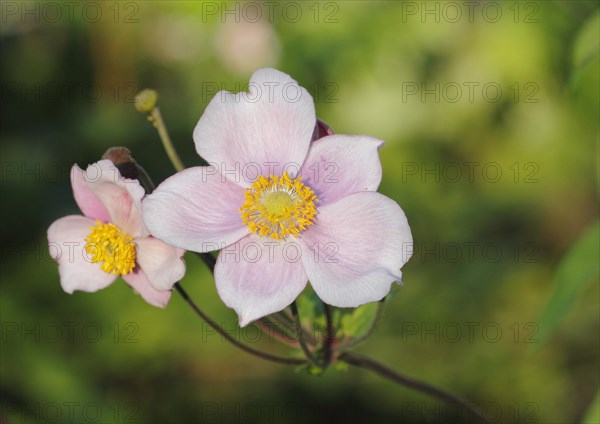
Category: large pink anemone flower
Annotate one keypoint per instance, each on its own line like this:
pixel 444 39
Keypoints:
pixel 110 240
pixel 284 205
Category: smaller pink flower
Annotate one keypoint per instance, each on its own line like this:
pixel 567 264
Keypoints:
pixel 110 240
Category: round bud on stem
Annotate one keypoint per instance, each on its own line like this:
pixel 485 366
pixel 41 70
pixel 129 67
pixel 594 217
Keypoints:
pixel 145 100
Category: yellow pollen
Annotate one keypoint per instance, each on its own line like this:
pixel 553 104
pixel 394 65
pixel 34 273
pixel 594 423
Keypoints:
pixel 278 207
pixel 112 248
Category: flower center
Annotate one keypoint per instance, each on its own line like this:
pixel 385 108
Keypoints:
pixel 278 206
pixel 112 248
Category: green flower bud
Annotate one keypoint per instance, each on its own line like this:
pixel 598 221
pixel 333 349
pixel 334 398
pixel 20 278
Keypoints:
pixel 145 100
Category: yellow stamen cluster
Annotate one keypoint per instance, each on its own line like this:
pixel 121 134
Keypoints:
pixel 278 207
pixel 113 248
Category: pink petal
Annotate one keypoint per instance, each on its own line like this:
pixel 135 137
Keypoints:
pixel 66 242
pixel 339 165
pixel 258 276
pixel 89 204
pixel 356 248
pixel 196 209
pixel 265 131
pixel 162 264
pixel 122 197
pixel 140 284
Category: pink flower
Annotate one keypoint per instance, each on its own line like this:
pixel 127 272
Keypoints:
pixel 285 207
pixel 110 240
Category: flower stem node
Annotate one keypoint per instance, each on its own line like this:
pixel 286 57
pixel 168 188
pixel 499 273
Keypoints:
pixel 146 100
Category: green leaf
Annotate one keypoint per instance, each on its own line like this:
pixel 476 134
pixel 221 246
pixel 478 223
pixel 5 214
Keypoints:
pixel 309 369
pixel 587 44
pixel 392 294
pixel 360 320
pixel 301 369
pixel 578 267
pixel 592 416
pixel 341 366
pixel 310 306
pixel 584 82
pixel 315 370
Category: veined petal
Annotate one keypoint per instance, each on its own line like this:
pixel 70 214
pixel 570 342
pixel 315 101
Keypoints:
pixel 258 276
pixel 162 264
pixel 87 201
pixel 66 242
pixel 338 165
pixel 122 197
pixel 196 209
pixel 264 131
pixel 356 248
pixel 142 286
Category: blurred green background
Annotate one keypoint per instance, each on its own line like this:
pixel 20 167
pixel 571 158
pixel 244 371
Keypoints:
pixel 490 115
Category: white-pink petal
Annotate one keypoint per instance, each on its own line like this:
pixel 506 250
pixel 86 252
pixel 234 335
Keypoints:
pixel 196 209
pixel 338 165
pixel 266 130
pixel 139 282
pixel 122 197
pixel 356 248
pixel 162 264
pixel 259 276
pixel 89 204
pixel 66 242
